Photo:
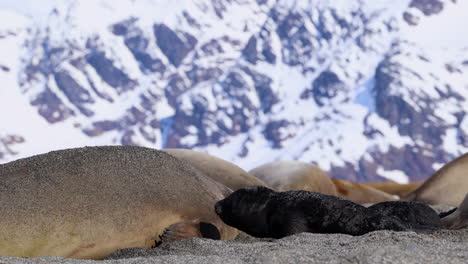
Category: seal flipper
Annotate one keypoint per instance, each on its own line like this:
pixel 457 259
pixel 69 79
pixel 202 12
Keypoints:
pixel 449 212
pixel 459 218
pixel 183 230
pixel 208 230
pixel 180 230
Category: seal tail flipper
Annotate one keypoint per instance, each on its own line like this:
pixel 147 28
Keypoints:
pixel 459 218
pixel 189 229
pixel 464 205
pixel 449 212
pixel 208 230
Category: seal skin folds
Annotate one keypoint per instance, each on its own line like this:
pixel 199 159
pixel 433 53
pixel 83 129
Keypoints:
pixel 262 212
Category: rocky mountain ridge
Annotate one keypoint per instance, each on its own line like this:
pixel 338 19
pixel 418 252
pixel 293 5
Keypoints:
pixel 347 86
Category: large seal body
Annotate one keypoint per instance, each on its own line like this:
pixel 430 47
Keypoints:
pixel 360 193
pixel 262 212
pixel 218 169
pixel 447 186
pixel 88 202
pixel 294 175
pixel 394 188
pixel 457 218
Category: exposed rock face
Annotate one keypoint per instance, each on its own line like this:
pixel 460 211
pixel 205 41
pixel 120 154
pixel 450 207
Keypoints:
pixel 426 7
pixel 343 87
pixel 7 143
pixel 110 74
pixel 174 47
pixel 327 87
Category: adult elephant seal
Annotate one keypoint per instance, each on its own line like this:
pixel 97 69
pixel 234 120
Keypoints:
pixel 457 218
pixel 217 169
pixel 360 193
pixel 294 175
pixel 447 186
pixel 89 202
pixel 391 187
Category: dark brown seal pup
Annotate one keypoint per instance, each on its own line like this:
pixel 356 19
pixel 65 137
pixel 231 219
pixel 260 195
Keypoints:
pixel 447 186
pixel 262 212
pixel 218 169
pixel 415 216
pixel 89 202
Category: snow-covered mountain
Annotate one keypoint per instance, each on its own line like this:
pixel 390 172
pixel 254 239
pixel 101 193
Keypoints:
pixel 366 89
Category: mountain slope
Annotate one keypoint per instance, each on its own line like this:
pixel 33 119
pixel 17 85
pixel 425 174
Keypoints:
pixel 351 86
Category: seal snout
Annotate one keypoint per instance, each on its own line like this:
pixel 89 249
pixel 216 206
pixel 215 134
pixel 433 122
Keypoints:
pixel 218 208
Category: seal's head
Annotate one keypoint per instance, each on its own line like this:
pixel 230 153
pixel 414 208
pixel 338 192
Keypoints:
pixel 246 209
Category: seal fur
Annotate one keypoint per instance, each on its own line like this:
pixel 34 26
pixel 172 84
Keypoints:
pixel 294 175
pixel 447 186
pixel 218 169
pixel 262 212
pixel 360 193
pixel 394 188
pixel 457 218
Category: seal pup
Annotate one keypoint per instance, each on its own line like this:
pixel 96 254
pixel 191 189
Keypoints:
pixel 457 218
pixel 217 169
pixel 415 216
pixel 294 175
pixel 446 186
pixel 89 202
pixel 360 193
pixel 394 188
pixel 262 212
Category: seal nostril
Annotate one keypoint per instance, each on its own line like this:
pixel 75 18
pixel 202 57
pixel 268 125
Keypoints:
pixel 218 208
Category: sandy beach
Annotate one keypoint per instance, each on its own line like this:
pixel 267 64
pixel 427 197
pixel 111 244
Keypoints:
pixel 376 247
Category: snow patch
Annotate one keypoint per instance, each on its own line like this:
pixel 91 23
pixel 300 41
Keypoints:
pixel 394 175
